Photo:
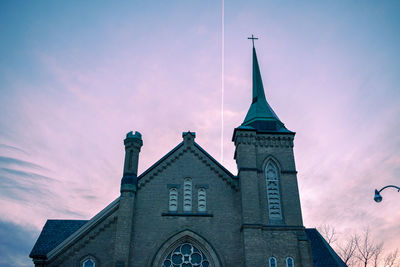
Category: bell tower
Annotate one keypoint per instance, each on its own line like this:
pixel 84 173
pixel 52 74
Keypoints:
pixel 272 226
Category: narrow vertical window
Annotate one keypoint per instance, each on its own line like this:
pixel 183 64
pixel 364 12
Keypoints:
pixel 187 194
pixel 202 200
pixel 272 262
pixel 173 199
pixel 88 263
pixel 273 194
pixel 289 262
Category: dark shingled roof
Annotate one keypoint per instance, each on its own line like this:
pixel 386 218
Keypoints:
pixel 322 253
pixel 54 233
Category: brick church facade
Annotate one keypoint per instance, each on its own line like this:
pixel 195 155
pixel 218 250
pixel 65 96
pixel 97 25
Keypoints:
pixel 188 210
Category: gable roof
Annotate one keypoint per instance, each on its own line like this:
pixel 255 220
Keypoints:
pixel 181 144
pixel 322 253
pixel 56 235
pixel 53 233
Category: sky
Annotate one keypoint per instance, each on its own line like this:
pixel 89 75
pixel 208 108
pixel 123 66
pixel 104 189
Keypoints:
pixel 76 76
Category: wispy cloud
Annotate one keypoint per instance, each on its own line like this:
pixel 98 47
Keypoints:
pixel 12 148
pixel 18 162
pixel 20 241
pixel 70 96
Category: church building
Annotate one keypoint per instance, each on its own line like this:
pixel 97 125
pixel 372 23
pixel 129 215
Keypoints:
pixel 188 210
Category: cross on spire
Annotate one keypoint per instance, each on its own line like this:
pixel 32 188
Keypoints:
pixel 252 38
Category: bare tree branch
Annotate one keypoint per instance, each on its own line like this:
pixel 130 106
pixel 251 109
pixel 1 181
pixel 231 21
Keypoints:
pixel 347 250
pixel 377 253
pixel 391 259
pixel 329 233
pixel 366 248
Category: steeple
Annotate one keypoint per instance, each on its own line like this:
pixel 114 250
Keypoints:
pixel 260 115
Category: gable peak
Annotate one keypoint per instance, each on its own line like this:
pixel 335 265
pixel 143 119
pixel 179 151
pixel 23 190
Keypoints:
pixel 188 137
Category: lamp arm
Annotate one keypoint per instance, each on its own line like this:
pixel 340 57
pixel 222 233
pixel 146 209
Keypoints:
pixel 398 188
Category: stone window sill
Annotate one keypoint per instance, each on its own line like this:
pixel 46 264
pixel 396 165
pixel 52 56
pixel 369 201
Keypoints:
pixel 187 214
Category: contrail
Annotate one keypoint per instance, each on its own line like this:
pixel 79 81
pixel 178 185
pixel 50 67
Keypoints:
pixel 222 83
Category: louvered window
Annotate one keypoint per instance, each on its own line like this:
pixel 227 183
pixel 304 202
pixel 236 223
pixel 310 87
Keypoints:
pixel 173 199
pixel 187 194
pixel 273 192
pixel 202 200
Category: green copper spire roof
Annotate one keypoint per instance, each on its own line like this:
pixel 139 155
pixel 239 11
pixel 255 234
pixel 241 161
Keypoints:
pixel 260 115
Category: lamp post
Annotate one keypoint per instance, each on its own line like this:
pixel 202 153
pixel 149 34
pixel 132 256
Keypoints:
pixel 378 197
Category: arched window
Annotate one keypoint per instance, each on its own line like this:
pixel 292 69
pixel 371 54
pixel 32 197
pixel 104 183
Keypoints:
pixel 201 199
pixel 187 194
pixel 272 262
pixel 186 255
pixel 173 199
pixel 289 262
pixel 88 263
pixel 273 193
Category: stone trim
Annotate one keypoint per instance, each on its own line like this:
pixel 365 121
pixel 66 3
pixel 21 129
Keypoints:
pixel 186 236
pixel 233 184
pixel 264 140
pixel 177 186
pixel 288 172
pixel 249 169
pixel 159 169
pixel 186 214
pixel 261 171
pixel 84 241
pixel 270 227
pixel 167 160
pixel 96 220
pixel 198 186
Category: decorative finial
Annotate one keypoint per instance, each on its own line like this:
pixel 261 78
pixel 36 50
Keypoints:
pixel 252 38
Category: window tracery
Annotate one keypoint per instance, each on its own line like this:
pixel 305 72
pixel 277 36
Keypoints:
pixel 273 192
pixel 186 255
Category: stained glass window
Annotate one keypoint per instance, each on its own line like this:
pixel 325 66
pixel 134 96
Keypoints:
pixel 289 262
pixel 186 255
pixel 272 262
pixel 88 263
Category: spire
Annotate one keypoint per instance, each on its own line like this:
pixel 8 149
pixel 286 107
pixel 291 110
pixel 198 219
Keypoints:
pixel 260 115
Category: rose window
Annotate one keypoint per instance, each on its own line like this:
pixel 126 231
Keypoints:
pixel 186 255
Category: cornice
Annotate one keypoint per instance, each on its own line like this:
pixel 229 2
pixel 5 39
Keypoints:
pixel 263 140
pixel 215 169
pixel 272 227
pixel 161 167
pixel 199 154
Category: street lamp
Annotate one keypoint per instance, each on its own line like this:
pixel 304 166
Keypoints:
pixel 378 197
